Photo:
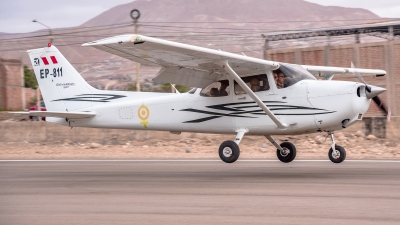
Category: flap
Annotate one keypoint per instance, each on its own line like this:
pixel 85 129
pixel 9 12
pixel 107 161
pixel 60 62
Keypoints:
pixel 187 77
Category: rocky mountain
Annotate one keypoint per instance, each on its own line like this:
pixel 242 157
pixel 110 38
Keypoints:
pixel 229 11
pixel 230 25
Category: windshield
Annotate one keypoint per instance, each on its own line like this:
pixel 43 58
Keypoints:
pixel 289 74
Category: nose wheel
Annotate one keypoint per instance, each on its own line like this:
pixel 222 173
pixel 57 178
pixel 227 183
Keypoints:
pixel 337 154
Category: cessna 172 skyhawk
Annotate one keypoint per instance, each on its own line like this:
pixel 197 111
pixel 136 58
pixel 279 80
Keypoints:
pixel 233 94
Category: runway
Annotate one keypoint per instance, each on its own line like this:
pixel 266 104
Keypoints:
pixel 199 192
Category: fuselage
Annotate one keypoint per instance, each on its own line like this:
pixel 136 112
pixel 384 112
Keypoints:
pixel 307 106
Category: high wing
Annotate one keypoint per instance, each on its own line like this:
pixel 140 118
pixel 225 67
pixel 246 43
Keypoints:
pixel 181 63
pixel 196 66
pixel 69 115
pixel 339 70
pixel 191 65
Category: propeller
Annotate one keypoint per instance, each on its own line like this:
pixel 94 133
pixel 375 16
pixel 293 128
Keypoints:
pixel 372 92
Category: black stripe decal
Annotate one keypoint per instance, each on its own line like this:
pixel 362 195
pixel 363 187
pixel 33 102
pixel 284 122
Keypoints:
pixel 218 114
pixel 237 111
pixel 234 109
pixel 202 119
pixel 92 98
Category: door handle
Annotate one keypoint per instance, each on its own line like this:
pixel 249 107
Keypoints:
pixel 242 98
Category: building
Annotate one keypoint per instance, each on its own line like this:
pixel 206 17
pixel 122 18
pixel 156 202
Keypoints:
pixel 383 55
pixel 13 94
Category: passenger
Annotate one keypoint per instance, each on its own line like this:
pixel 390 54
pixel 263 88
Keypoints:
pixel 276 78
pixel 214 92
pixel 222 89
pixel 265 86
pixel 255 84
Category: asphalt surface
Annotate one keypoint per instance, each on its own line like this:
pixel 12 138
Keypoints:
pixel 199 192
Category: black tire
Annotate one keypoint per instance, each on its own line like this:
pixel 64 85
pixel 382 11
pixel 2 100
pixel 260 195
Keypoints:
pixel 229 151
pixel 34 118
pixel 288 157
pixel 338 158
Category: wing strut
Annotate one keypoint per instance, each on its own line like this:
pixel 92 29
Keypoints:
pixel 230 71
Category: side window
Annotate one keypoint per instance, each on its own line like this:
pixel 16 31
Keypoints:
pixel 289 74
pixel 216 89
pixel 255 83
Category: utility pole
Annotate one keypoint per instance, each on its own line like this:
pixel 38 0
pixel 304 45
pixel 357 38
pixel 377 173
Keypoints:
pixel 265 47
pixel 38 107
pixel 135 14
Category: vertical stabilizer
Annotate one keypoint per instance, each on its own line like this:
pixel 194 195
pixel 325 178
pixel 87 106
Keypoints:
pixel 62 87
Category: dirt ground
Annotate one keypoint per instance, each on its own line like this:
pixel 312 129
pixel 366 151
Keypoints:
pixel 162 145
pixel 313 146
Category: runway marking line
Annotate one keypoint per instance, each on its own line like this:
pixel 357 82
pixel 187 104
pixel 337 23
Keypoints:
pixel 181 160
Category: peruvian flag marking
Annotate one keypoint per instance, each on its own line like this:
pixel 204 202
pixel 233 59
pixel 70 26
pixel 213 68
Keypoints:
pixel 53 59
pixel 44 59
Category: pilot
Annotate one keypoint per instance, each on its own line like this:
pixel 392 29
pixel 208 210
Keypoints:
pixel 255 84
pixel 214 92
pixel 281 80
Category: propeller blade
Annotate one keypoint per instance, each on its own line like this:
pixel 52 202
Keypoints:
pixel 378 101
pixel 373 95
pixel 368 88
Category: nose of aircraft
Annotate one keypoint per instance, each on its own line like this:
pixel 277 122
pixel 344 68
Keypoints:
pixel 375 90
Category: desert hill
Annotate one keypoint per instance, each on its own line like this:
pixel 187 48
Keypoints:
pixel 230 25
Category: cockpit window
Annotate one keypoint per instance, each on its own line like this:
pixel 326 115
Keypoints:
pixel 216 89
pixel 256 83
pixel 289 74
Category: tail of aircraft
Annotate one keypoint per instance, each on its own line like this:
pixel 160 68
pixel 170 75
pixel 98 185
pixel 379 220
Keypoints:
pixel 62 87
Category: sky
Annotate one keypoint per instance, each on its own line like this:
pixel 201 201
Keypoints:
pixel 16 16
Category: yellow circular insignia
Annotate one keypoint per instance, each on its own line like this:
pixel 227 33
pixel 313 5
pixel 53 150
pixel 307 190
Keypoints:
pixel 143 112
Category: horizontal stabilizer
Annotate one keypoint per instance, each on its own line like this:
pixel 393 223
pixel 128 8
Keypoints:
pixel 69 115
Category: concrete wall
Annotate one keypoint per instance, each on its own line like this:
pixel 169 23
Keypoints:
pixel 39 132
pixel 379 55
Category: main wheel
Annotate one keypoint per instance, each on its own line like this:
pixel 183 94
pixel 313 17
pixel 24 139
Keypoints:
pixel 288 153
pixel 337 156
pixel 229 151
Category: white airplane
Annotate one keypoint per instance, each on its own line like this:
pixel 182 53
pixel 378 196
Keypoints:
pixel 233 94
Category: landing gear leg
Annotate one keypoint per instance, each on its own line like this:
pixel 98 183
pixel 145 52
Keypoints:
pixel 229 151
pixel 285 152
pixel 337 154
